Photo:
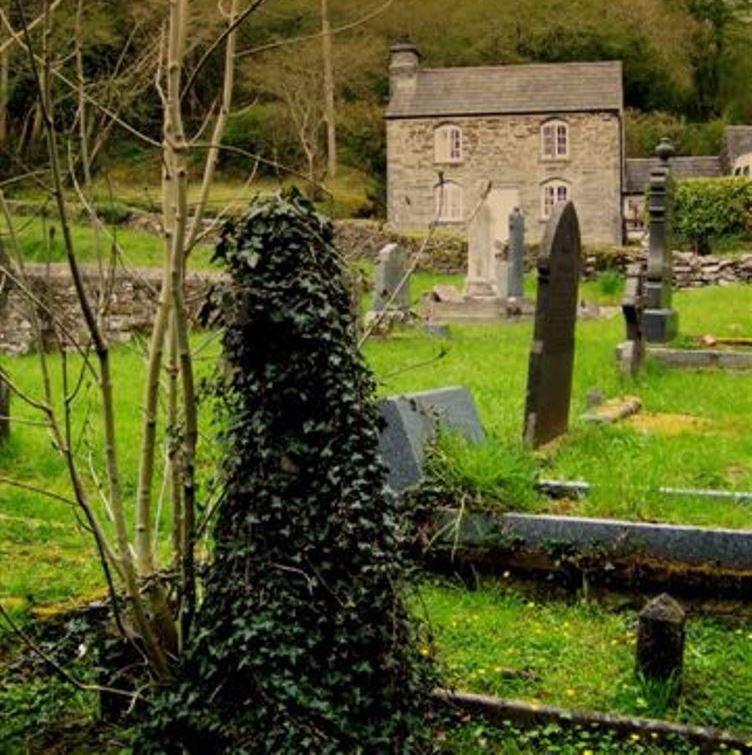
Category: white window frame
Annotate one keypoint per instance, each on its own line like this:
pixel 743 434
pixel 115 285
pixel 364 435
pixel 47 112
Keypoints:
pixel 554 136
pixel 448 147
pixel 448 202
pixel 553 192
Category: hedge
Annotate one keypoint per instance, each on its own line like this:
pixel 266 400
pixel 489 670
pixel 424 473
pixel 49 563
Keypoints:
pixel 710 209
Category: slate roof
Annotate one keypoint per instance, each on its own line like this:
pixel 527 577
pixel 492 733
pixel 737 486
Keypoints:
pixel 638 170
pixel 497 90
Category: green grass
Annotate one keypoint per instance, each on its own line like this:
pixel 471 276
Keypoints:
pixel 41 241
pixel 499 642
pixel 707 445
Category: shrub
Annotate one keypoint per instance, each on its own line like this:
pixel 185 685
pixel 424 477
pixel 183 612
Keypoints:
pixel 645 130
pixel 303 642
pixel 708 209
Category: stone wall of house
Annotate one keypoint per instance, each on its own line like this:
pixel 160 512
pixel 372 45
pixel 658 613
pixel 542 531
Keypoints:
pixel 130 302
pixel 506 150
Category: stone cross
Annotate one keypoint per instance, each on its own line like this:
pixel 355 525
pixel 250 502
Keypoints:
pixel 549 387
pixel 631 353
pixel 392 290
pixel 661 321
pixel 516 278
pixel 660 641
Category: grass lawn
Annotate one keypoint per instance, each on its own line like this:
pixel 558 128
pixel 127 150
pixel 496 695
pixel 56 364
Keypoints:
pixel 499 642
pixel 693 431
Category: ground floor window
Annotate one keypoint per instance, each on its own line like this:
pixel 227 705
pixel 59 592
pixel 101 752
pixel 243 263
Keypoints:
pixel 553 193
pixel 448 202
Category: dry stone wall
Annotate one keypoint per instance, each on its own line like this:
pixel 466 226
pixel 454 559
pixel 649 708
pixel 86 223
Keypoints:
pixel 128 302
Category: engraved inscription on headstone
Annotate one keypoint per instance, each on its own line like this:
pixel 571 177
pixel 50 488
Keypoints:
pixel 631 353
pixel 392 289
pixel 549 386
pixel 661 322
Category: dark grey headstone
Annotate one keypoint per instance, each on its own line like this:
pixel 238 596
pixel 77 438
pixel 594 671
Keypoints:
pixel 516 270
pixel 661 321
pixel 631 353
pixel 660 641
pixel 549 387
pixel 413 420
pixel 392 286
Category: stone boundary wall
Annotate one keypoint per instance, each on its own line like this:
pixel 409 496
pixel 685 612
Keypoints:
pixel 448 255
pixel 130 300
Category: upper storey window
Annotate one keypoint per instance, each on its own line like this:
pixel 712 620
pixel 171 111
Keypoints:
pixel 555 140
pixel 447 144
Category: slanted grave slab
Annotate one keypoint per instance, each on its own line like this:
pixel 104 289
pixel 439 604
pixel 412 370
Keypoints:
pixel 413 420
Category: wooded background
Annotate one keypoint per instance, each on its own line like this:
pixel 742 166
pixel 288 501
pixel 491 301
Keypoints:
pixel 687 66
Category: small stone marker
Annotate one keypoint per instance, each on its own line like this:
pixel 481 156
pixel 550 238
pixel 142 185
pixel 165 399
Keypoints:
pixel 660 640
pixel 661 322
pixel 610 412
pixel 631 353
pixel 516 270
pixel 392 290
pixel 413 420
pixel 549 388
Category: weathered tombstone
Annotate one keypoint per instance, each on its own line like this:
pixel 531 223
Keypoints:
pixel 661 322
pixel 516 270
pixel 411 421
pixel 480 254
pixel 660 641
pixel 631 353
pixel 392 285
pixel 549 387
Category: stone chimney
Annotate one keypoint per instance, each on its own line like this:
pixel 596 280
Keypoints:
pixel 403 66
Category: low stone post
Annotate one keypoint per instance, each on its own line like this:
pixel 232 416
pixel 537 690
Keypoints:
pixel 660 641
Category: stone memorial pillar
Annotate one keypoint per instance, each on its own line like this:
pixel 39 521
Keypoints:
pixel 516 275
pixel 661 322
pixel 480 254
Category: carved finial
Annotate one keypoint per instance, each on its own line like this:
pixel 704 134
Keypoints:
pixel 665 150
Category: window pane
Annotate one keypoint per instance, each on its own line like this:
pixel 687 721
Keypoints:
pixel 548 141
pixel 561 140
pixel 561 193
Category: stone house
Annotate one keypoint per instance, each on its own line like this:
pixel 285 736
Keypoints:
pixel 524 136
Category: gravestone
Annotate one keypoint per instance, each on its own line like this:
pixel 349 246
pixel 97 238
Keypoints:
pixel 516 270
pixel 413 420
pixel 660 641
pixel 549 388
pixel 480 253
pixel 661 321
pixel 631 353
pixel 392 286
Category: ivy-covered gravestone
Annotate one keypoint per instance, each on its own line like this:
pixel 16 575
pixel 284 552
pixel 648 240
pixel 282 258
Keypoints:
pixel 302 642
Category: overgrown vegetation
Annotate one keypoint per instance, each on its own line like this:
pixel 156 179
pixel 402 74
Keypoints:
pixel 302 641
pixel 713 209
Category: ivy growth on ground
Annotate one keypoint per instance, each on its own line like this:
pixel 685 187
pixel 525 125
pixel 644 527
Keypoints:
pixel 303 643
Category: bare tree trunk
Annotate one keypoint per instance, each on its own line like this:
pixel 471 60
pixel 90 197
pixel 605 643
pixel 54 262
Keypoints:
pixel 4 81
pixel 329 110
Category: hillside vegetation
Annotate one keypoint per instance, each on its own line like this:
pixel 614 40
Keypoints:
pixel 687 71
